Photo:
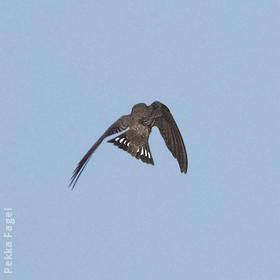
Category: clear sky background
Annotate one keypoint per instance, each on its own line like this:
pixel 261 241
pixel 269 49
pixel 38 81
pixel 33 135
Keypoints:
pixel 69 69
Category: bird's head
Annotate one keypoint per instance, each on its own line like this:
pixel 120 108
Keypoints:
pixel 139 107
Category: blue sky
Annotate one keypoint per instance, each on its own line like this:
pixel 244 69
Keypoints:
pixel 69 69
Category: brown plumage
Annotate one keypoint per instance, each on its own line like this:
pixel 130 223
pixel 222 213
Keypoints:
pixel 138 126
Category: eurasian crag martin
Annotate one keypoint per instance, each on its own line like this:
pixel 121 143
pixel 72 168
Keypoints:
pixel 138 126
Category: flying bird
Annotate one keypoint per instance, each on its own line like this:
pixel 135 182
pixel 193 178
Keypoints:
pixel 138 126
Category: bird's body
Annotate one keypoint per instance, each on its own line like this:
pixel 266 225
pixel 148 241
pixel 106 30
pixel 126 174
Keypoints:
pixel 138 126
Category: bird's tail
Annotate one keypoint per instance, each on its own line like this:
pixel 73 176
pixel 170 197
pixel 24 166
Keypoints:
pixel 138 150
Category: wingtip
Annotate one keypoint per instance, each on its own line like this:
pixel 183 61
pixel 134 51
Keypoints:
pixel 71 185
pixel 184 170
pixel 74 179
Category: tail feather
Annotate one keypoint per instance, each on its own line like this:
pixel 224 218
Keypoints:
pixel 139 151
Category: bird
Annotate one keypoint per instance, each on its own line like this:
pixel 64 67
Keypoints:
pixel 136 128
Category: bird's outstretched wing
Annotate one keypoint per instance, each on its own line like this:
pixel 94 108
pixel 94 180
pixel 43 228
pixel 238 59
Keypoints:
pixel 121 124
pixel 171 135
